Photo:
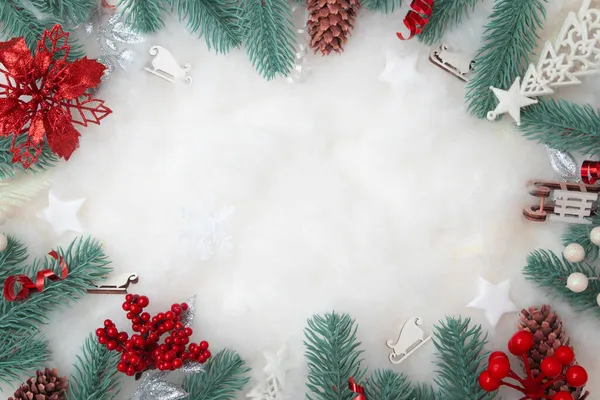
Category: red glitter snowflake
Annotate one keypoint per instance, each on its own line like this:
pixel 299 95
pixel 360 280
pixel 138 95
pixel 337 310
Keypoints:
pixel 44 95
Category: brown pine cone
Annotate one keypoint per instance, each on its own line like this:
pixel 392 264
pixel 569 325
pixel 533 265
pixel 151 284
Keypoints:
pixel 548 334
pixel 46 385
pixel 330 22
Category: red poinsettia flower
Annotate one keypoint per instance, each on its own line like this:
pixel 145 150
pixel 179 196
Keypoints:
pixel 44 95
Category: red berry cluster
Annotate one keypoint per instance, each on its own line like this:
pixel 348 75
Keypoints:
pixel 141 351
pixel 558 367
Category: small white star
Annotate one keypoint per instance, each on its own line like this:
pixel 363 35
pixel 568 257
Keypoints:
pixel 62 215
pixel 398 70
pixel 494 299
pixel 277 365
pixel 510 101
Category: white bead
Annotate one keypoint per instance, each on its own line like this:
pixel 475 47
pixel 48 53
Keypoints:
pixel 595 236
pixel 574 253
pixel 3 242
pixel 577 282
pixel 598 299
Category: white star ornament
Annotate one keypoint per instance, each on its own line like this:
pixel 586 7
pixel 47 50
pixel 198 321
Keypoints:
pixel 494 300
pixel 62 215
pixel 510 101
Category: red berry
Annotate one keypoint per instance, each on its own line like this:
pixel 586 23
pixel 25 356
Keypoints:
pixel 184 306
pixel 169 340
pixel 188 332
pixel 161 329
pixel 125 357
pixel 170 315
pixel 201 359
pixel 194 349
pixel 130 371
pixel 551 367
pixel 122 336
pixel 102 339
pixel 153 337
pixel 176 309
pixel 145 317
pixel 177 363
pixel 136 327
pixel 203 345
pixel 108 323
pixel 129 345
pixel 143 301
pixel 126 306
pixel 185 356
pixel 164 348
pixel 179 325
pixel 160 316
pixel 177 348
pixel 169 356
pixel 169 325
pixel 112 332
pixel 576 376
pixel 565 355
pixel 111 345
pixel 207 354
pixel 185 340
pixel 130 315
pixel 100 332
pixel 139 342
pixel 496 354
pixel 136 309
pixel 129 298
pixel 140 367
pixel 499 367
pixel 177 341
pixel 168 365
pixel 487 382
pixel 562 396
pixel 134 360
pixel 155 320
pixel 143 330
pixel 121 367
pixel 520 343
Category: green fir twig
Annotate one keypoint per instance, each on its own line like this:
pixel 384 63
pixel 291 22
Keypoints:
pixel 446 14
pixel 21 22
pixel 96 376
pixel 145 16
pixel 577 233
pixel 383 6
pixel 333 356
pixel 12 258
pixel 388 385
pixel 509 42
pixel 563 125
pixel 21 353
pixel 45 161
pixel 225 375
pixel 551 273
pixel 460 358
pixel 269 36
pixel 73 11
pixel 423 392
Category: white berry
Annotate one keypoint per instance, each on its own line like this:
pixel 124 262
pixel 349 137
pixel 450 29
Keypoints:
pixel 595 236
pixel 574 253
pixel 577 282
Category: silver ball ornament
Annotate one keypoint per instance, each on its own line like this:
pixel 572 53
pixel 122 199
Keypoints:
pixel 577 282
pixel 595 236
pixel 574 253
pixel 3 242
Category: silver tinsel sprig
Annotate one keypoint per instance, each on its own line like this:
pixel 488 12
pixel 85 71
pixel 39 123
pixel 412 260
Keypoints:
pixel 153 386
pixel 563 163
pixel 187 317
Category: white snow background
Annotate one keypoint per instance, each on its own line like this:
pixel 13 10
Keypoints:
pixel 273 201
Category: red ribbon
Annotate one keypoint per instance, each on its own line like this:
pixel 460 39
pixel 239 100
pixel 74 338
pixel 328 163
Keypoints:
pixel 27 285
pixel 356 388
pixel 416 19
pixel 590 172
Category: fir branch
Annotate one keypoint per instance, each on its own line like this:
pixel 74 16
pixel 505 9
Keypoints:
pixel 18 191
pixel 12 258
pixel 225 375
pixel 87 264
pixel 96 376
pixel 384 6
pixel 333 356
pixel 446 14
pixel 73 11
pixel 509 41
pixel 460 357
pixel 423 392
pixel 577 233
pixel 217 21
pixel 550 273
pixel 21 352
pixel 388 385
pixel 7 169
pixel 145 16
pixel 563 125
pixel 269 36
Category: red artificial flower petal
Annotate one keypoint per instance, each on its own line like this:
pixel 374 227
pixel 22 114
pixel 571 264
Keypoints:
pixel 78 76
pixel 37 128
pixel 85 109
pixel 57 39
pixel 23 152
pixel 62 137
pixel 15 57
pixel 41 63
pixel 12 116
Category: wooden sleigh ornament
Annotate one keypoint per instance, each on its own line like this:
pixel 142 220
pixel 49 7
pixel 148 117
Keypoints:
pixel 562 202
pixel 411 339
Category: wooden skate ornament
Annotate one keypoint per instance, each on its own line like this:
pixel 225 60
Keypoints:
pixel 116 285
pixel 411 339
pixel 572 202
pixel 452 63
pixel 164 66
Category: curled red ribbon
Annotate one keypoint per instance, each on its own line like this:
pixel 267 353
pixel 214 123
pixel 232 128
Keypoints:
pixel 416 19
pixel 27 285
pixel 356 388
pixel 590 172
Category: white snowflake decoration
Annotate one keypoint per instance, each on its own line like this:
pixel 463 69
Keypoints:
pixel 276 369
pixel 204 227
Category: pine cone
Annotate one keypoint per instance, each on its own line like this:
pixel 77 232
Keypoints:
pixel 330 22
pixel 47 385
pixel 548 334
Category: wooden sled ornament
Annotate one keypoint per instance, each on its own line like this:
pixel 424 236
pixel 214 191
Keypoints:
pixel 117 285
pixel 411 339
pixel 452 63
pixel 572 202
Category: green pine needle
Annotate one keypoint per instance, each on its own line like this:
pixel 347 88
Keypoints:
pixel 12 258
pixel 383 6
pixel 87 264
pixel 269 36
pixel 423 392
pixel 509 42
pixel 96 376
pixel 549 272
pixel 460 357
pixel 446 14
pixel 577 233
pixel 7 169
pixel 225 375
pixel 217 20
pixel 144 15
pixel 388 385
pixel 563 125
pixel 333 356
pixel 21 353
pixel 74 11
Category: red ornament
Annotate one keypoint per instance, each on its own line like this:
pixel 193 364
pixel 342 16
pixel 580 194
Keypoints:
pixel 488 382
pixel 499 367
pixel 576 376
pixel 44 95
pixel 562 396
pixel 551 367
pixel 416 19
pixel 590 172
pixel 565 355
pixel 27 285
pixel 520 343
